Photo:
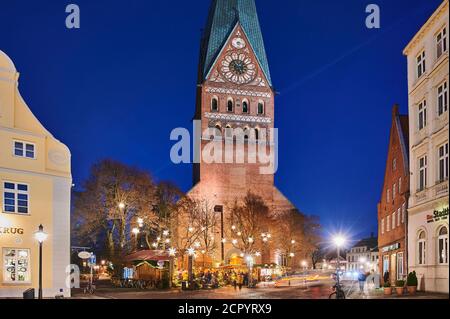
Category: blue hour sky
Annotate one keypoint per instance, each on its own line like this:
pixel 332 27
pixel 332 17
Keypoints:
pixel 117 87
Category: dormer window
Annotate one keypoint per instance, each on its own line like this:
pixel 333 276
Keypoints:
pixel 24 149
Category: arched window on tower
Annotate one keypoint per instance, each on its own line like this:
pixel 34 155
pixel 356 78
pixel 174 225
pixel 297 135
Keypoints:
pixel 257 134
pixel 228 132
pixel 246 134
pixel 260 107
pixel 230 105
pixel 442 245
pixel 214 104
pixel 245 108
pixel 218 131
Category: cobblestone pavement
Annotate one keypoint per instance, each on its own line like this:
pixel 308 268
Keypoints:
pixel 316 292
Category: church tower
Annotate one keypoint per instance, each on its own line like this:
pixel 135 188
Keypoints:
pixel 234 91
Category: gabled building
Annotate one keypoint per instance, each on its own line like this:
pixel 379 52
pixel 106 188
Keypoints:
pixel 35 188
pixel 363 256
pixel 428 80
pixel 392 208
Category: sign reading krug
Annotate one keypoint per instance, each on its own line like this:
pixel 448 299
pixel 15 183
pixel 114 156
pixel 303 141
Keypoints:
pixel 11 230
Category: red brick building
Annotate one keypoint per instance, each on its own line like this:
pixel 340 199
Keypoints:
pixel 392 208
pixel 234 91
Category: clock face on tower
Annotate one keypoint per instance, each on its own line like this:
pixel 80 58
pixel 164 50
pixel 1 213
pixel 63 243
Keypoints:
pixel 238 68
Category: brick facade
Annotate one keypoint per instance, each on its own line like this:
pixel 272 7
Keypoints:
pixel 392 209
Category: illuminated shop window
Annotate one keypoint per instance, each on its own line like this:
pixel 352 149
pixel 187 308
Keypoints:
pixel 16 265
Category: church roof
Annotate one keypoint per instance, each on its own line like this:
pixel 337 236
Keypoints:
pixel 222 19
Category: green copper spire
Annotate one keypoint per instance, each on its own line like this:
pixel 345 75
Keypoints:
pixel 223 17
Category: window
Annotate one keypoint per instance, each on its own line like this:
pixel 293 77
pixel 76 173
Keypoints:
pixel 230 105
pixel 15 198
pixel 443 245
pixel 388 223
pixel 257 134
pixel 441 42
pixel 245 107
pixel 214 105
pixel 421 64
pixel 228 132
pixel 382 226
pixel 394 164
pixel 394 191
pixel 421 249
pixel 422 173
pixel 403 212
pixel 400 270
pixel 385 263
pixel 399 217
pixel 388 197
pixel 218 132
pixel 260 107
pixel 399 185
pixel 422 114
pixel 443 162
pixel 23 149
pixel 16 265
pixel 393 220
pixel 442 98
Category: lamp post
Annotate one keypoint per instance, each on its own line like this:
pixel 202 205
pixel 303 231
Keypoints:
pixel 339 241
pixel 40 237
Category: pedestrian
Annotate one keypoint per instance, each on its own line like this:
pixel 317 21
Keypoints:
pixel 234 280
pixel 361 280
pixel 240 281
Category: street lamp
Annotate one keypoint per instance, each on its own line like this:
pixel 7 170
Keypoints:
pixel 40 237
pixel 339 241
pixel 121 205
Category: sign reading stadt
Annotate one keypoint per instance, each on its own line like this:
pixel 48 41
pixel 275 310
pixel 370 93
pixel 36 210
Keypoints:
pixel 438 215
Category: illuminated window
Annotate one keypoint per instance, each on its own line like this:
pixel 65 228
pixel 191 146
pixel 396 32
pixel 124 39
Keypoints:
pixel 16 266
pixel 421 248
pixel 443 245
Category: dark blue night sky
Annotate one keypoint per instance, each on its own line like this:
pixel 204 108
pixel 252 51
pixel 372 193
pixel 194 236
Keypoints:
pixel 119 85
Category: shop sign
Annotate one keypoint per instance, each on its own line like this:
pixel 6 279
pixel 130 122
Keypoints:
pixel 84 254
pixel 438 215
pixel 11 230
pixel 391 247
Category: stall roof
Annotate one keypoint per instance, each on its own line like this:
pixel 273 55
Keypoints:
pixel 147 255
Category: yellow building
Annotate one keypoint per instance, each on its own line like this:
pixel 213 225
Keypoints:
pixel 35 186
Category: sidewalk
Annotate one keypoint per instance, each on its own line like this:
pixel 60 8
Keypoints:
pixel 379 294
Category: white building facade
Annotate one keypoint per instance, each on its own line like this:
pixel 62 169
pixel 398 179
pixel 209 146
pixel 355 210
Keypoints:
pixel 363 256
pixel 428 81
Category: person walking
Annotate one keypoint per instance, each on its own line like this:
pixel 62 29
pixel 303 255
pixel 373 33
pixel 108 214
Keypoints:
pixel 234 279
pixel 240 281
pixel 362 280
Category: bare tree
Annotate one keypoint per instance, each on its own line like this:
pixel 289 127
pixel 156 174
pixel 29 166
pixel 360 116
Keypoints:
pixel 113 194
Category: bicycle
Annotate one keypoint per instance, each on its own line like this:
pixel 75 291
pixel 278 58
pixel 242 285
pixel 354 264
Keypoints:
pixel 90 288
pixel 338 292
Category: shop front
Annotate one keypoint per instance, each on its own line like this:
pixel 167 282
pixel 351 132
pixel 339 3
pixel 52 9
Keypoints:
pixel 393 258
pixel 428 248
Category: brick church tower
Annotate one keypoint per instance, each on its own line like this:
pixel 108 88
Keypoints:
pixel 235 91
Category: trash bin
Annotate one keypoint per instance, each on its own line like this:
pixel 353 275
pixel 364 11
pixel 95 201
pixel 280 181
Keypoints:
pixel 28 294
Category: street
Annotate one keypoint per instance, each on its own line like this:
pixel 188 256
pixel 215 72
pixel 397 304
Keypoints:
pixel 321 291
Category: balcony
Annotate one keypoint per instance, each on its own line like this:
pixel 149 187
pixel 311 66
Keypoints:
pixel 441 189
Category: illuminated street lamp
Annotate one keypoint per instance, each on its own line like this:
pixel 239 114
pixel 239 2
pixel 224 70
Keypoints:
pixel 121 205
pixel 292 241
pixel 166 233
pixel 40 237
pixel 291 255
pixel 135 231
pixel 339 241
